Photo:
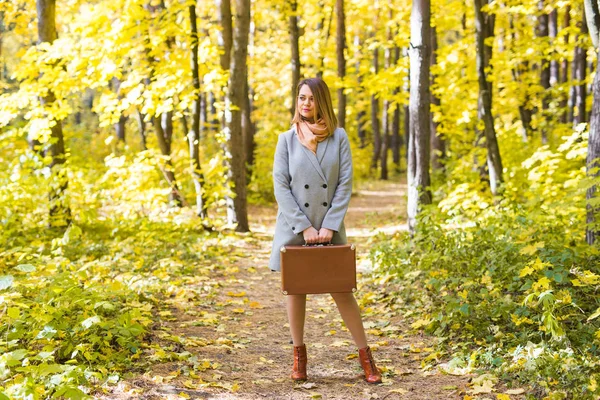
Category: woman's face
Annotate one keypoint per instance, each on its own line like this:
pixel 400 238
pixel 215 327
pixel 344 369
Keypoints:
pixel 306 103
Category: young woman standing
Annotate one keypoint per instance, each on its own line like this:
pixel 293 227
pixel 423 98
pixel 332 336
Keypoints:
pixel 312 178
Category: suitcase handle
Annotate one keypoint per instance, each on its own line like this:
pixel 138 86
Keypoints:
pixel 317 244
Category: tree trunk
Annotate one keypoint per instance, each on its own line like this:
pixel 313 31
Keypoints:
pixel 249 127
pixel 193 136
pixel 438 144
pixel 418 148
pixel 484 26
pixel 593 156
pixel 225 42
pixel 406 89
pixel 120 125
pixel 396 138
pixel 224 35
pixel 593 163
pixel 234 104
pixel 564 69
pixel 375 116
pixel 321 66
pixel 294 41
pixel 360 116
pixel 553 32
pixel 579 75
pixel 341 62
pixel 59 209
pixel 385 112
pixel 543 33
pixel 163 126
pixel 142 128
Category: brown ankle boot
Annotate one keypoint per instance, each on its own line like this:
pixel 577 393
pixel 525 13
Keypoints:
pixel 299 368
pixel 372 374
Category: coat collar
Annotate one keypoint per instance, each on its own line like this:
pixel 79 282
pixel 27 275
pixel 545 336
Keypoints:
pixel 315 160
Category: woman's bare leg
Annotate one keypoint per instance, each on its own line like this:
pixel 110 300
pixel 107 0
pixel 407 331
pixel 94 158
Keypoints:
pixel 350 313
pixel 296 309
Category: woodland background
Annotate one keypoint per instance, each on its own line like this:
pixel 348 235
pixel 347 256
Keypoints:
pixel 139 122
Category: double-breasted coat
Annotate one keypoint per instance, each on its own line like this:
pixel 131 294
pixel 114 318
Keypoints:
pixel 311 190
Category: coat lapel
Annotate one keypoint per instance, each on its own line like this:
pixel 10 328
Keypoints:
pixel 312 157
pixel 321 149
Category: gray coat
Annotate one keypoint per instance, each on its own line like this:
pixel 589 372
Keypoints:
pixel 310 190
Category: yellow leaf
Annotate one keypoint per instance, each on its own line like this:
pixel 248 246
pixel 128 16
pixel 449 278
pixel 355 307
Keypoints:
pixel 231 294
pixel 238 310
pixel 532 248
pixel 541 285
pixel 351 356
pixel 502 397
pixel 184 395
pixel 255 304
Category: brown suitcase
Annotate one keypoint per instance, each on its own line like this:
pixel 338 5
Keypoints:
pixel 314 269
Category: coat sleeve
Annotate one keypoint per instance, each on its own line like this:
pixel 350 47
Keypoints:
pixel 294 217
pixel 341 198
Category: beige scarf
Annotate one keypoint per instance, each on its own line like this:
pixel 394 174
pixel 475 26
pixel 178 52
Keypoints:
pixel 311 134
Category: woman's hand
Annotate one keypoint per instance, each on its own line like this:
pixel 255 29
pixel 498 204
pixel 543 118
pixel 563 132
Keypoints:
pixel 325 235
pixel 311 235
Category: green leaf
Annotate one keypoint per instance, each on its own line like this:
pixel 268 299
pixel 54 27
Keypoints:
pixel 25 267
pixel 3 396
pixel 6 281
pixel 14 312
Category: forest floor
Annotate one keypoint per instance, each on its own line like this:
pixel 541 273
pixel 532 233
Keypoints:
pixel 233 342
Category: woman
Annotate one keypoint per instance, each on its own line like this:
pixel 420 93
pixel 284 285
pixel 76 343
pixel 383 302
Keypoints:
pixel 312 177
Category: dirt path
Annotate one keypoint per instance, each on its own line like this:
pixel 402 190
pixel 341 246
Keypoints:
pixel 234 342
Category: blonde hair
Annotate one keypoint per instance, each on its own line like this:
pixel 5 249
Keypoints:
pixel 323 105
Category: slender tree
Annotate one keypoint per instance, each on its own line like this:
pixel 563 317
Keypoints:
pixel 341 61
pixel 193 136
pixel 438 143
pixel 120 125
pixel 579 86
pixel 418 146
pixel 543 34
pixel 294 42
pixel 396 139
pixel 361 115
pixel 564 70
pixel 60 212
pixel 484 27
pixel 234 103
pixel 592 11
pixel 375 116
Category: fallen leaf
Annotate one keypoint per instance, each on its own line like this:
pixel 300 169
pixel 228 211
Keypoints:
pixel 240 294
pixel 308 385
pixel 400 391
pixel 502 397
pixel 515 391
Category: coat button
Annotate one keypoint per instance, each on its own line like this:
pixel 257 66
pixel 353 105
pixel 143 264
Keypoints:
pixel 324 186
pixel 325 203
pixel 293 228
pixel 305 186
pixel 305 204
